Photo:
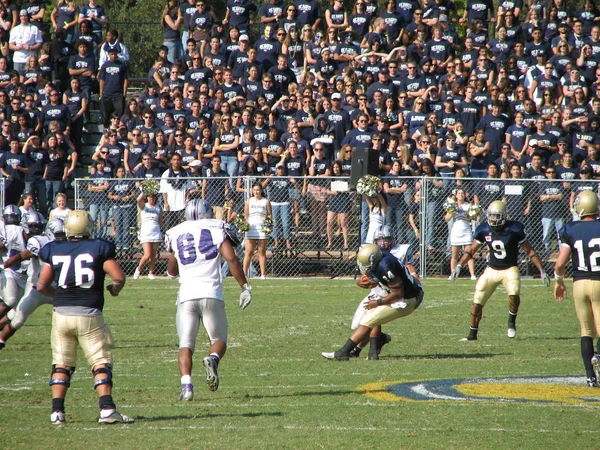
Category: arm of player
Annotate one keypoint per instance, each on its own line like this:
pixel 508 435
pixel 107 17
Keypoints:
pixel 396 292
pixel 114 271
pixel 537 262
pixel 23 256
pixel 560 290
pixel 172 267
pixel 45 280
pixel 228 254
pixel 467 255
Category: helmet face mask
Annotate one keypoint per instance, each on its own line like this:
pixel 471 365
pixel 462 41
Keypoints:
pixel 383 237
pixel 198 209
pixel 78 225
pixel 33 223
pixel 586 204
pixel 55 230
pixel 496 214
pixel 11 215
pixel 368 257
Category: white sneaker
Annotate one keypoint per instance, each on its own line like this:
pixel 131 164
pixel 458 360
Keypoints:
pixel 116 417
pixel 262 277
pixel 511 333
pixel 450 278
pixel 151 276
pixel 187 393
pixel 57 418
pixel 136 274
pixel 473 278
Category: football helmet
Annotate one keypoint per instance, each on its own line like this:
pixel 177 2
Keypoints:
pixel 78 225
pixel 233 234
pixel 383 237
pixel 198 209
pixel 586 204
pixel 496 214
pixel 368 257
pixel 33 223
pixel 11 215
pixel 55 230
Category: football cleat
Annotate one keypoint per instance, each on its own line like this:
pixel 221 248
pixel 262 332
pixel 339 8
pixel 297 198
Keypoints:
pixel 511 333
pixel 383 339
pixel 355 352
pixel 187 393
pixel 116 417
pixel 596 364
pixel 468 338
pixel 212 377
pixel 339 356
pixel 57 418
pixel 592 382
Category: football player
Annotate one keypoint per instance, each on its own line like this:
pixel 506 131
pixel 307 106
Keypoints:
pixel 13 277
pixel 33 224
pixel 196 247
pixel 79 266
pixel 580 241
pixel 503 238
pixel 403 295
pixel 384 239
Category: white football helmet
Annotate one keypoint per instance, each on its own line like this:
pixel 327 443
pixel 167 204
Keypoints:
pixel 384 237
pixel 33 223
pixel 78 225
pixel 496 214
pixel 55 230
pixel 11 215
pixel 368 257
pixel 198 209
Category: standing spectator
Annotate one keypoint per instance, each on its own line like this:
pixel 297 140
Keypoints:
pixel 554 206
pixel 227 142
pixel 338 206
pixel 55 110
pixel 113 42
pixel 62 210
pixel 37 158
pixel 98 200
pixel 13 165
pixel 122 192
pixel 65 17
pixel 94 337
pixel 171 20
pixel 95 15
pixel 25 40
pixel 279 197
pixel 238 15
pixel 76 101
pixel 114 81
pixel 256 210
pixel 173 186
pixel 215 187
pixel 150 234
pixel 83 66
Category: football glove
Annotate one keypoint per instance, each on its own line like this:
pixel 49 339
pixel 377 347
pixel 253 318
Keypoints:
pixel 545 278
pixel 455 273
pixel 245 296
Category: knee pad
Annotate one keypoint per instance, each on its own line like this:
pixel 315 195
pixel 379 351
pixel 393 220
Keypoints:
pixel 106 380
pixel 17 320
pixel 68 372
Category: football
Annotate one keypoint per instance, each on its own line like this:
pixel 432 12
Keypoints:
pixel 364 282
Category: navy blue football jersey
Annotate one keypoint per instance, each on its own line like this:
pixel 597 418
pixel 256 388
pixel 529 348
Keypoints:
pixel 78 270
pixel 503 244
pixel 583 237
pixel 390 269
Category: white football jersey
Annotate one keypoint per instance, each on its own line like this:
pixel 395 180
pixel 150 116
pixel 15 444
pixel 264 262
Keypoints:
pixel 15 243
pixel 197 247
pixel 34 245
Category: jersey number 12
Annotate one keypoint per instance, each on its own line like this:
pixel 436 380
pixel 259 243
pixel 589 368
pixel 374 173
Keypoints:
pixel 594 256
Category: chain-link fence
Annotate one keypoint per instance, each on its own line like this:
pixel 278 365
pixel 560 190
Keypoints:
pixel 319 224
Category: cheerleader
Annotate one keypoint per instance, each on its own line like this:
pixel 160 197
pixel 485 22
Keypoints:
pixel 461 233
pixel 377 211
pixel 256 210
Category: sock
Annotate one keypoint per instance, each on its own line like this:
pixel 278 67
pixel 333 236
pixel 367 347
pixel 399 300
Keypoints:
pixel 348 346
pixel 105 402
pixel 473 332
pixel 512 319
pixel 373 344
pixel 216 356
pixel 186 379
pixel 587 351
pixel 58 404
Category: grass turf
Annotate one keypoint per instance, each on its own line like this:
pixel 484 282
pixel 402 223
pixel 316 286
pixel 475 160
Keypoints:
pixel 278 392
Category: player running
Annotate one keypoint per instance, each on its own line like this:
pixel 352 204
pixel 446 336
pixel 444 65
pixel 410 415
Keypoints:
pixel 197 246
pixel 403 295
pixel 503 238
pixel 14 277
pixel 580 241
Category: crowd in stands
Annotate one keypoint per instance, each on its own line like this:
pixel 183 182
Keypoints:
pixel 288 89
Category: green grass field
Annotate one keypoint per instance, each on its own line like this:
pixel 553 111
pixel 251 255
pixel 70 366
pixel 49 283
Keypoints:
pixel 278 392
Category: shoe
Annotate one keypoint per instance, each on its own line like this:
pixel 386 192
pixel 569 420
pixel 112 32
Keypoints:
pixel 339 356
pixel 212 378
pixel 450 278
pixel 473 278
pixel 596 364
pixel 116 417
pixel 592 382
pixel 2 345
pixel 354 353
pixel 151 276
pixel 136 274
pixel 383 339
pixel 262 277
pixel 511 333
pixel 468 338
pixel 372 356
pixel 57 418
pixel 187 393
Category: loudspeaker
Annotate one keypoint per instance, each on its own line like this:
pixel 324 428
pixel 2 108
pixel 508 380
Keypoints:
pixel 364 162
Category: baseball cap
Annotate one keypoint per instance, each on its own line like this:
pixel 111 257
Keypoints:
pixel 244 37
pixel 336 96
pixel 113 50
pixel 196 163
pixel 563 140
pixel 384 71
pixel 533 143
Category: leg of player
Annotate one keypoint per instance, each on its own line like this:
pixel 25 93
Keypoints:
pixel 587 355
pixel 103 384
pixel 211 364
pixel 185 361
pixel 4 308
pixel 377 339
pixel 513 308
pixel 476 311
pixel 60 380
pixel 214 320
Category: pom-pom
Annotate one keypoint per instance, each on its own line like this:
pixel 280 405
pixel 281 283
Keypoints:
pixel 450 205
pixel 267 226
pixel 149 187
pixel 369 185
pixel 240 223
pixel 474 212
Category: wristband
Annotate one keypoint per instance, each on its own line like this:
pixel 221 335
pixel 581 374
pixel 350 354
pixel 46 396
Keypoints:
pixel 558 277
pixel 379 302
pixel 118 283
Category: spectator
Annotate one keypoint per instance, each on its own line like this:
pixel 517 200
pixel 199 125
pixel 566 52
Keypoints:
pixel 77 102
pixel 98 200
pixel 215 187
pixel 552 196
pixel 150 233
pixel 37 159
pixel 278 188
pixel 339 205
pixel 25 40
pixel 95 15
pixel 171 20
pixel 122 192
pixel 173 186
pixel 65 17
pixel 256 210
pixel 114 81
pixel 62 210
pixel 13 165
pixel 26 204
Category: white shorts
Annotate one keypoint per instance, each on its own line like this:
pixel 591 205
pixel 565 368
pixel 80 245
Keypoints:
pixel 189 314
pixel 12 287
pixel 28 304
